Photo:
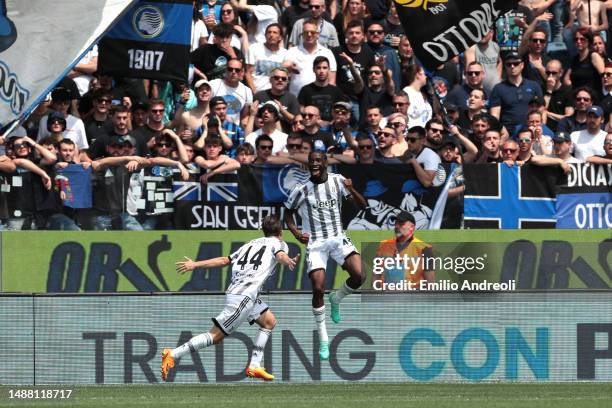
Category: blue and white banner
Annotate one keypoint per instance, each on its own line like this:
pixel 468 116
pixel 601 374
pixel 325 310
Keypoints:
pixel 75 184
pixel 586 201
pixel 41 40
pixel 152 40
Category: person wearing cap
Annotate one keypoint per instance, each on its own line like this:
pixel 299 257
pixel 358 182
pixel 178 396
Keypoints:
pixel 321 93
pixel 278 92
pixel 193 117
pixel 558 97
pixel 563 148
pixel 589 142
pixel 263 57
pixel 344 135
pixel 404 244
pixel 510 98
pixel 270 115
pixel 75 128
pixel 56 125
pixel 606 158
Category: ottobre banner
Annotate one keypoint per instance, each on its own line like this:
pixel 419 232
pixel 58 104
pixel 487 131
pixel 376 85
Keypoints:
pixel 103 262
pixel 534 337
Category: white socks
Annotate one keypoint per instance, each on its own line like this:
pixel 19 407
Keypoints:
pixel 196 343
pixel 342 292
pixel 260 343
pixel 319 315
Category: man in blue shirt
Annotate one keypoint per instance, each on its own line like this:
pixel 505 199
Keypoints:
pixel 510 99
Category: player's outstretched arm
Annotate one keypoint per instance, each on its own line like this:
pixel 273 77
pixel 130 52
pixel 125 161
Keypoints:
pixel 190 265
pixel 355 196
pixel 284 259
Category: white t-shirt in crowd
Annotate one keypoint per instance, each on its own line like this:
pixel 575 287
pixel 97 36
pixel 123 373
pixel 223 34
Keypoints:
pixel 198 30
pixel 279 140
pixel 587 145
pixel 82 81
pixel 420 110
pixel 75 131
pixel 264 61
pixel 303 61
pixel 266 15
pixel 235 98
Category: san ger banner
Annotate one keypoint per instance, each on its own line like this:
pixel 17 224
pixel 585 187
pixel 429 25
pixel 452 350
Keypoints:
pixel 451 25
pixel 40 40
pixel 152 41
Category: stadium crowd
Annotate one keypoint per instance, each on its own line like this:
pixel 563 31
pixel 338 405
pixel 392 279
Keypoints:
pixel 272 80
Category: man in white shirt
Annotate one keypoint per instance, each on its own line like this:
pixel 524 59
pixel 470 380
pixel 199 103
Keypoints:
pixel 299 59
pixel 75 128
pixel 423 160
pixel 589 142
pixel 262 58
pixel 237 96
pixel 270 115
pixel 328 36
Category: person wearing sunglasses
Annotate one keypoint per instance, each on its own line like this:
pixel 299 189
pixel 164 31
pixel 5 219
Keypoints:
pixel 423 160
pixel 510 152
pixel 312 131
pixel 327 34
pixel 237 95
pixel 384 146
pixel 510 98
pixel 385 55
pixel 605 158
pixel 99 121
pixel 587 66
pixel 533 52
pixel 279 93
pixel 583 99
pixel 474 77
pixel 557 95
pixel 399 123
pixel 75 128
pixel 145 136
pixel 269 115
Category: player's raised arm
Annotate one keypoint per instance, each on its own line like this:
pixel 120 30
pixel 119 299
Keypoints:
pixel 190 265
pixel 283 258
pixel 355 196
pixel 290 221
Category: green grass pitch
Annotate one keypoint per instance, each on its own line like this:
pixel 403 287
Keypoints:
pixel 352 395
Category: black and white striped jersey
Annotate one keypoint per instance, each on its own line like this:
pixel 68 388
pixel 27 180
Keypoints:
pixel 252 264
pixel 319 206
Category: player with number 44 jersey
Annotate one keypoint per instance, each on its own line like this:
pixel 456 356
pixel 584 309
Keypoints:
pixel 319 204
pixel 252 264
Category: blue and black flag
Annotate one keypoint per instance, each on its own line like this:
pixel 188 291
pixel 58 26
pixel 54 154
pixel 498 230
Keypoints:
pixel 151 41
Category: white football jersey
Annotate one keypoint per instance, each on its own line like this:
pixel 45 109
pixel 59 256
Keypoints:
pixel 253 263
pixel 319 206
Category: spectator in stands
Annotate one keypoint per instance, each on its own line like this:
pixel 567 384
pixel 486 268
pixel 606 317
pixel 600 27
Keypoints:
pixel 289 106
pixel 587 66
pixel 379 91
pixel 542 135
pixel 589 142
pixel 270 115
pixel 210 60
pixel 328 37
pixel 476 105
pixel 312 131
pixel 215 163
pixel 344 136
pixel 354 60
pixel 145 136
pixel 435 133
pixel 400 103
pixel 364 153
pixel 293 13
pixel 606 102
pixel 510 98
pixel 300 58
pixel 384 148
pixel 237 96
pixel 583 100
pixel 605 158
pixel 557 96
pixel 481 122
pixel 458 141
pixel 232 134
pixel 230 16
pixel 374 120
pixel 420 110
pixel 263 149
pixel 262 15
pixel 194 117
pixel 490 147
pixel 99 121
pixel 56 125
pixel 485 53
pixel 406 53
pixel 263 58
pixel 525 142
pixel 474 76
pixel 510 152
pixel 384 56
pixel 245 153
pixel 75 129
pixel 533 52
pixel 399 123
pixel 119 123
pixel 321 93
pixel 353 10
pixel 563 148
pixel 139 115
pixel 424 160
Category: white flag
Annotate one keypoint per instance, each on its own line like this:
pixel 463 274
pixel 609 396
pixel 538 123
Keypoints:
pixel 40 40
